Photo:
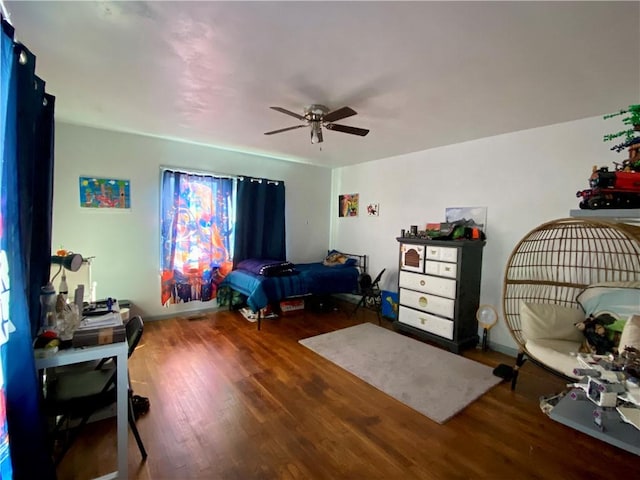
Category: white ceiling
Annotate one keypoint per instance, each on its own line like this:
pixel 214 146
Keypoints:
pixel 419 74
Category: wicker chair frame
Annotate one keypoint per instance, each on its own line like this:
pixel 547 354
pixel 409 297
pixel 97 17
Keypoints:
pixel 555 261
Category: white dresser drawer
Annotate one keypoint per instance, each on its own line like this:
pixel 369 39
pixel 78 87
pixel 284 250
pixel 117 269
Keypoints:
pixel 443 254
pixel 427 303
pixel 440 268
pixel 427 283
pixel 413 281
pixel 430 323
pixel 412 257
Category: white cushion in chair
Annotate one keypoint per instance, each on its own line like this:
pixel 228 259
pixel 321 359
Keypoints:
pixel 550 321
pixel 556 354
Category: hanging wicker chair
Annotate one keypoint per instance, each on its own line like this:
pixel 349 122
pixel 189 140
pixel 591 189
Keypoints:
pixel 555 261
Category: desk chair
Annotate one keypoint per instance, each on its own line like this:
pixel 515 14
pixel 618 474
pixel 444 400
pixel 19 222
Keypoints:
pixel 79 395
pixel 371 295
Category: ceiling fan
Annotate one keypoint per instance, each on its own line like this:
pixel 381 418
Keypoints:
pixel 318 116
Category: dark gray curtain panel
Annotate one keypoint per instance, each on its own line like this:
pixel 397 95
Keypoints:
pixel 260 220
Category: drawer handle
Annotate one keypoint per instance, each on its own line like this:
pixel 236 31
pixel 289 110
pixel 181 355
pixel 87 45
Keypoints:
pixel 422 283
pixel 423 321
pixel 422 301
pixel 447 269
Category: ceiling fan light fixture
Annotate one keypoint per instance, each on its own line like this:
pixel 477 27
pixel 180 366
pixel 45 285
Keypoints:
pixel 316 136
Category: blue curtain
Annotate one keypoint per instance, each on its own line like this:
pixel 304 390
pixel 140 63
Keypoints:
pixel 260 220
pixel 197 235
pixel 35 135
pixel 27 130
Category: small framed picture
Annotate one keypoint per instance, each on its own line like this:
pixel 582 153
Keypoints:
pixel 373 209
pixel 348 205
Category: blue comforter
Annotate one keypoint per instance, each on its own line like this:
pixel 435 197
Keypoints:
pixel 312 279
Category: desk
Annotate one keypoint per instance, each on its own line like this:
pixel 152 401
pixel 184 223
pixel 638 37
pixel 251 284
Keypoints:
pixel 120 351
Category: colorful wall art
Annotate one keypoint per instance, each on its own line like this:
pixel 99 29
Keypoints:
pixel 104 193
pixel 348 205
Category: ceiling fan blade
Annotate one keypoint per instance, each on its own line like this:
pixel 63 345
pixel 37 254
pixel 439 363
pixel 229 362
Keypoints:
pixel 346 129
pixel 287 112
pixel 339 114
pixel 284 129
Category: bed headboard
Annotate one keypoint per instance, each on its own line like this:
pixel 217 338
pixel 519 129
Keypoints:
pixel 360 259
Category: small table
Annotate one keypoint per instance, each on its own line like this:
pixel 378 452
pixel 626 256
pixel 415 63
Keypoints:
pixel 85 354
pixel 578 414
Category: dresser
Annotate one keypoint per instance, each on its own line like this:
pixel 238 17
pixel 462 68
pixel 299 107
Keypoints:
pixel 439 290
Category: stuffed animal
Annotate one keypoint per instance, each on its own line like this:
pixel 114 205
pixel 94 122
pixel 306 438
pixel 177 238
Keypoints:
pixel 596 339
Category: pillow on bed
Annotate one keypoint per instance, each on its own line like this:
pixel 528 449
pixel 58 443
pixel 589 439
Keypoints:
pixel 267 268
pixel 338 258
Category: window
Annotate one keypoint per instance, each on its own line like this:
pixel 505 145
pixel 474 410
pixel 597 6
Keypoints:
pixel 197 228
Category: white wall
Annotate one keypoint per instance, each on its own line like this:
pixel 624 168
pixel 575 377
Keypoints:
pixel 126 243
pixel 524 179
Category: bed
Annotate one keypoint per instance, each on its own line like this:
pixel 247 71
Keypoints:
pixel 265 282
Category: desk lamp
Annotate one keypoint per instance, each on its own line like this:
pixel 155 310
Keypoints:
pixel 487 317
pixel 71 262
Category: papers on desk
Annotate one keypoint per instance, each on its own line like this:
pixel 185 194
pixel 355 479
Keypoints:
pixel 111 319
pixel 99 330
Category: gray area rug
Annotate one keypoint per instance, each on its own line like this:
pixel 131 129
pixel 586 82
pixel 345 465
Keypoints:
pixel 432 381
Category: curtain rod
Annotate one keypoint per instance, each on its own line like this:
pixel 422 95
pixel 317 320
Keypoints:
pixel 220 175
pixel 259 180
pixel 198 172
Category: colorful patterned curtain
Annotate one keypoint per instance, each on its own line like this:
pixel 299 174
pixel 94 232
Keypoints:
pixel 197 235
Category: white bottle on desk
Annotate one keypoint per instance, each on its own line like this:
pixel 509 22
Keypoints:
pixel 64 288
pixel 48 307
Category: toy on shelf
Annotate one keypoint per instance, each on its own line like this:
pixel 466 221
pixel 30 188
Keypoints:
pixel 619 188
pixel 632 120
pixel 464 229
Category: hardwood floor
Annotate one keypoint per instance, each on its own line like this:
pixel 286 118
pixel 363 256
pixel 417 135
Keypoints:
pixel 231 402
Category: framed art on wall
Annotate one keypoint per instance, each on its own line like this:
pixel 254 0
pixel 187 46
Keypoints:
pixel 348 205
pixel 477 214
pixel 105 193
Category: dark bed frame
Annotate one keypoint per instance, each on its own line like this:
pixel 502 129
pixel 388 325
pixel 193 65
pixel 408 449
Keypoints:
pixel 361 264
